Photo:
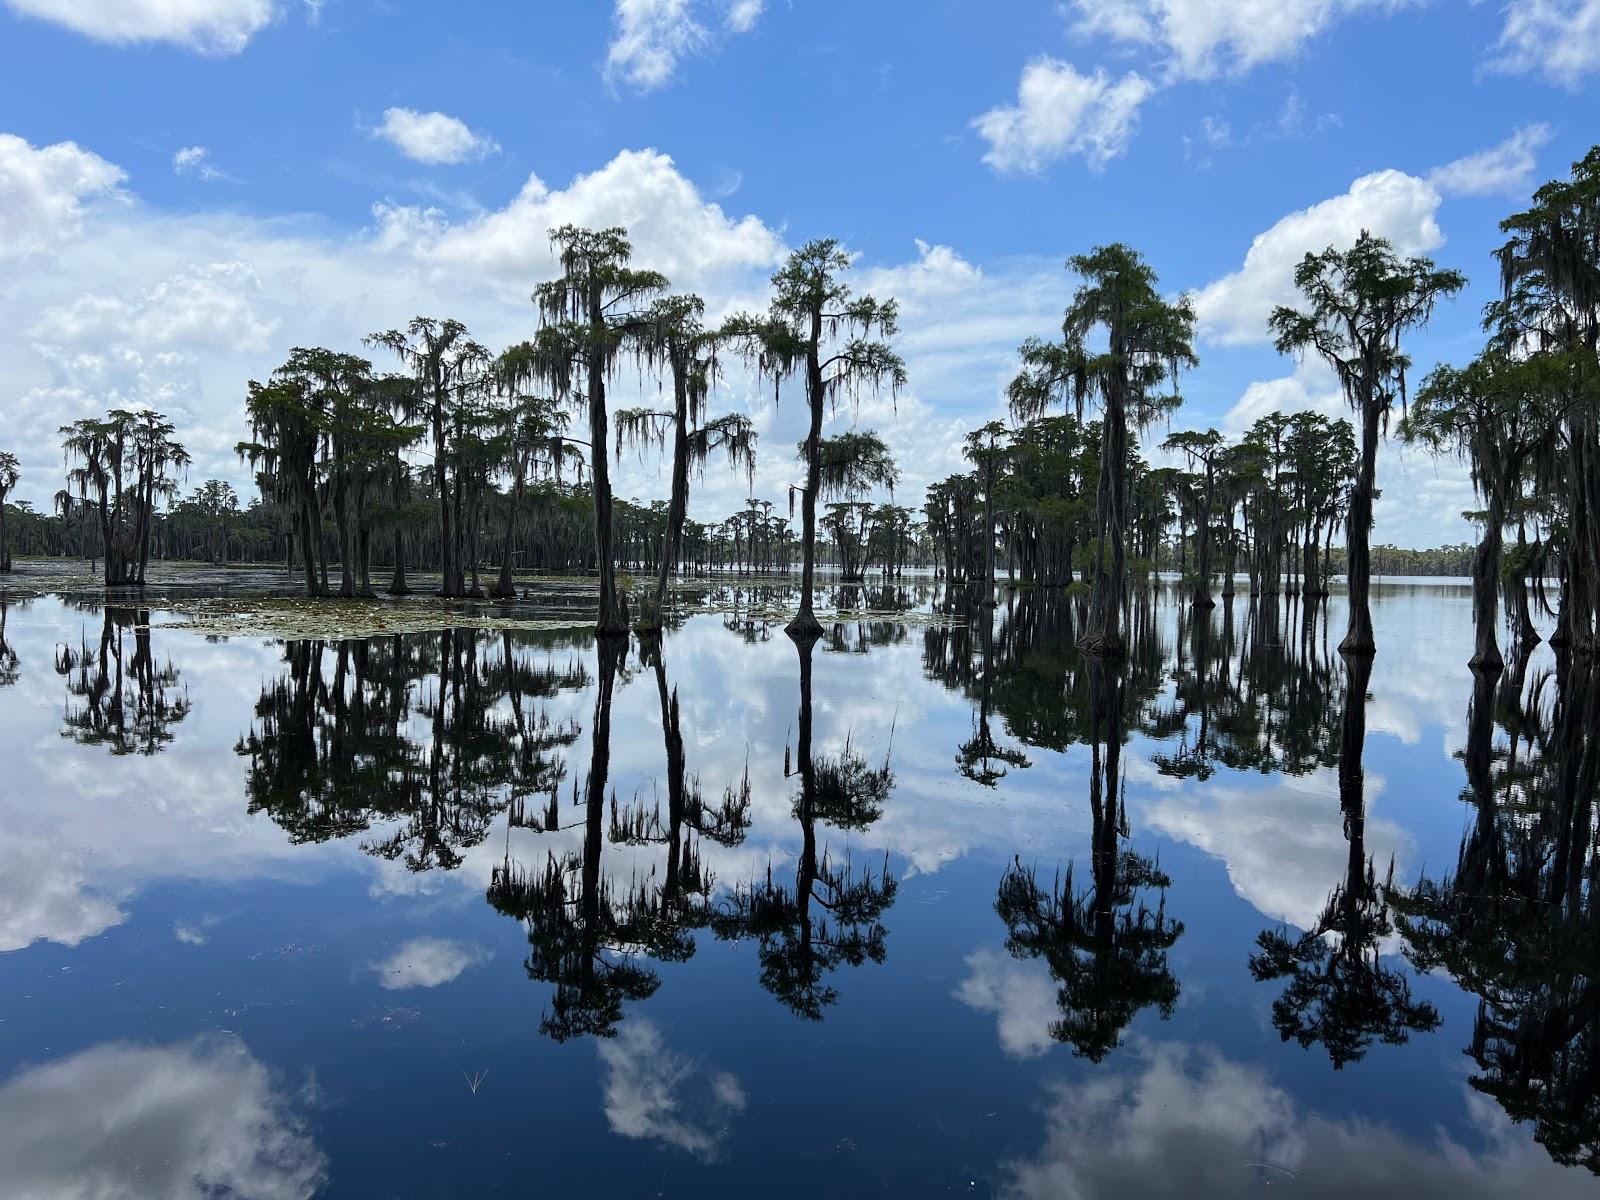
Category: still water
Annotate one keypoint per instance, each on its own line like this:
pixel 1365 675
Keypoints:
pixel 937 907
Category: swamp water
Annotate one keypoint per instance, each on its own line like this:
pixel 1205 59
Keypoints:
pixel 935 907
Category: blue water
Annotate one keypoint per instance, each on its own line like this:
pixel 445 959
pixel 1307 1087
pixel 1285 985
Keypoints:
pixel 202 995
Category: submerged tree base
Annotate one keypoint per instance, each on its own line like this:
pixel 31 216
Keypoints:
pixel 1102 646
pixel 805 626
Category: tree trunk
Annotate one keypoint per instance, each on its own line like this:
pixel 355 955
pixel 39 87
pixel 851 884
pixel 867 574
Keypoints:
pixel 613 617
pixel 1486 595
pixel 1103 631
pixel 1358 637
pixel 805 623
pixel 441 487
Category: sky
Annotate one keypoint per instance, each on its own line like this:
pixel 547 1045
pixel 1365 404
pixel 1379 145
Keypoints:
pixel 189 188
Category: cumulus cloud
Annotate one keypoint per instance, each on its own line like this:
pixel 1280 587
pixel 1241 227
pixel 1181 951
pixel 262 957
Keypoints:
pixel 45 896
pixel 1312 388
pixel 1283 845
pixel 1060 112
pixel 179 1122
pixel 1505 169
pixel 650 38
pixel 1559 39
pixel 46 189
pixel 672 226
pixel 1390 204
pixel 1203 38
pixel 426 962
pixel 1019 995
pixel 209 305
pixel 1188 1124
pixel 209 26
pixel 656 1094
pixel 433 137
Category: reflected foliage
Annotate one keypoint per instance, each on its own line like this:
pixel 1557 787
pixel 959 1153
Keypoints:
pixel 418 741
pixel 10 664
pixel 830 915
pixel 1340 993
pixel 591 935
pixel 1105 946
pixel 118 695
pixel 1516 923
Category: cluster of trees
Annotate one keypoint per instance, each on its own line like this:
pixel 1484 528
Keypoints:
pixel 1525 415
pixel 1060 496
pixel 332 441
pixel 1274 500
pixel 1268 505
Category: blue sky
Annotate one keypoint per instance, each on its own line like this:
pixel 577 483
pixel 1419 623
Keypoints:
pixel 190 187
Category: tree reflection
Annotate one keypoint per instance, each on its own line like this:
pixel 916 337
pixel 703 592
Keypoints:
pixel 1105 947
pixel 118 697
pixel 590 936
pixel 831 915
pixel 980 758
pixel 426 738
pixel 10 665
pixel 1339 992
pixel 1516 922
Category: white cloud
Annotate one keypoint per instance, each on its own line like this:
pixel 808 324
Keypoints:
pixel 656 1094
pixel 670 223
pixel 1061 112
pixel 1313 387
pixel 433 137
pixel 130 1122
pixel 742 15
pixel 426 962
pixel 1559 39
pixel 1390 204
pixel 45 896
pixel 1019 994
pixel 650 38
pixel 1205 38
pixel 1505 169
pixel 45 190
pixel 1233 1132
pixel 1284 845
pixel 195 160
pixel 938 272
pixel 209 26
pixel 209 305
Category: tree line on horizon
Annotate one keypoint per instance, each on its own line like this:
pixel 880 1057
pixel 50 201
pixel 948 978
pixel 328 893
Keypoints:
pixel 465 457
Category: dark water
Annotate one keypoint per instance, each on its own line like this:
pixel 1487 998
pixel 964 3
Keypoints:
pixel 937 908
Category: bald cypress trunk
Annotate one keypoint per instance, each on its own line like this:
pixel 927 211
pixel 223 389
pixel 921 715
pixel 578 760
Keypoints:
pixel 805 623
pixel 1358 638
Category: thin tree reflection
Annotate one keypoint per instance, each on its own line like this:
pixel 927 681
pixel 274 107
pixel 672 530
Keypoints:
pixel 1339 992
pixel 10 665
pixel 1516 923
pixel 592 937
pixel 118 697
pixel 831 915
pixel 1105 947
pixel 980 758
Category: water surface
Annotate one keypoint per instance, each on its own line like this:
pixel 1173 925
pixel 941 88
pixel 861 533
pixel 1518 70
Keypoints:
pixel 934 907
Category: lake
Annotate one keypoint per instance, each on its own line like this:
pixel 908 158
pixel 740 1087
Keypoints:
pixel 934 907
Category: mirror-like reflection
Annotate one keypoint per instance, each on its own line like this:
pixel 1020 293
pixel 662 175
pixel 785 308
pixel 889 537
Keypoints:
pixel 1516 923
pixel 1101 883
pixel 1107 946
pixel 118 696
pixel 831 914
pixel 1339 992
